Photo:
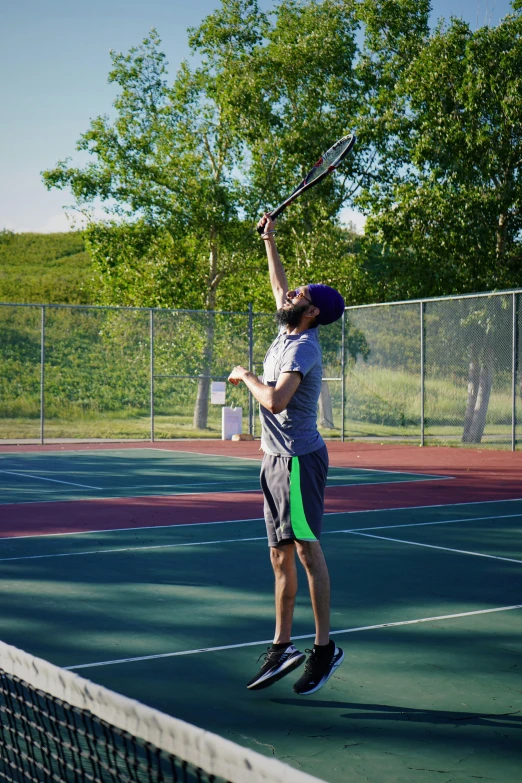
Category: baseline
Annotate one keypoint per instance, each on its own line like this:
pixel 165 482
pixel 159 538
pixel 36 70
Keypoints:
pixel 359 629
pixel 41 478
pixel 354 531
pixel 434 546
pixel 260 519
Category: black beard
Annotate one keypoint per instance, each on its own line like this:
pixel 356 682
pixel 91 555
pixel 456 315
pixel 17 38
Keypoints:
pixel 289 316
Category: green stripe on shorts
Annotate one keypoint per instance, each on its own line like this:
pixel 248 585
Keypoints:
pixel 300 526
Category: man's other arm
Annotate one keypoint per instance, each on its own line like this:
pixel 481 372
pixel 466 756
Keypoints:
pixel 274 398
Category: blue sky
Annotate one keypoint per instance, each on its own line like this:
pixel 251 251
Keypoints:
pixel 54 61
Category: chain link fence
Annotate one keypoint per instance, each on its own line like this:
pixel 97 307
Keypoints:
pixel 433 371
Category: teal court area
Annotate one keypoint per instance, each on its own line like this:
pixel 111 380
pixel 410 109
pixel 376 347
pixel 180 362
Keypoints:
pixel 427 604
pixel 75 475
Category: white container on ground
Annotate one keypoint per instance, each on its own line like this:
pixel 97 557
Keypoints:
pixel 231 422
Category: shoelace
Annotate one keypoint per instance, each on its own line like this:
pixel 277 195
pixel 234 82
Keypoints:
pixel 313 661
pixel 273 654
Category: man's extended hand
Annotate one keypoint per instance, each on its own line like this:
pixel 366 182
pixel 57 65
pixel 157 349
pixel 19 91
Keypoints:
pixel 237 374
pixel 266 224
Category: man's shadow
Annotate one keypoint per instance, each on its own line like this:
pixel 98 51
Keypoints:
pixel 382 712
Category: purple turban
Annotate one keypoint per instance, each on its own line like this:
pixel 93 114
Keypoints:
pixel 328 300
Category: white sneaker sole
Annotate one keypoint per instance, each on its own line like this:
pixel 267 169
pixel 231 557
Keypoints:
pixel 324 680
pixel 269 679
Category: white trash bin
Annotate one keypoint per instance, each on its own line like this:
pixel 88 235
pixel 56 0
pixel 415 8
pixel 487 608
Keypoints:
pixel 231 422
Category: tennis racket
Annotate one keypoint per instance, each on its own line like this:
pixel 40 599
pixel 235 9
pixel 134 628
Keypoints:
pixel 324 166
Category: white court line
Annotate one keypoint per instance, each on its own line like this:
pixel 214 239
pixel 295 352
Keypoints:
pixel 432 546
pixel 423 524
pixel 126 529
pixel 199 484
pixel 355 531
pixel 256 459
pixel 203 454
pixel 129 549
pixel 124 497
pixel 398 472
pixel 260 519
pixel 29 489
pixel 41 478
pixel 420 480
pixel 225 491
pixel 304 636
pixel 235 482
pixel 256 478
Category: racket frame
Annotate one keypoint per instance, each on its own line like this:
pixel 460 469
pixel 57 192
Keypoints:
pixel 305 184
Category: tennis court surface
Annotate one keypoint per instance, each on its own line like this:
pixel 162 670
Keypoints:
pixel 145 569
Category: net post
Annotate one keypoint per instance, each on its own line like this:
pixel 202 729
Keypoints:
pixel 151 339
pixel 514 373
pixel 250 366
pixel 343 379
pixel 42 376
pixel 422 370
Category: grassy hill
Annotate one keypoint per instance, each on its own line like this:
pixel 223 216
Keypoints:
pixel 36 268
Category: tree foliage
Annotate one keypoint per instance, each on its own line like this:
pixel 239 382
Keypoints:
pixel 448 221
pixel 185 169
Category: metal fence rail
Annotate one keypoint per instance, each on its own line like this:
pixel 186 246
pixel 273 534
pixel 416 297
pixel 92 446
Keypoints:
pixel 440 370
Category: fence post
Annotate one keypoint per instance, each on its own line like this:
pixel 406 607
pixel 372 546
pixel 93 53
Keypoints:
pixel 514 375
pixel 343 379
pixel 250 366
pixel 423 362
pixel 151 338
pixel 42 377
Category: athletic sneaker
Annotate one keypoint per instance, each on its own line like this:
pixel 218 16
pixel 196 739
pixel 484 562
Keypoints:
pixel 318 670
pixel 277 664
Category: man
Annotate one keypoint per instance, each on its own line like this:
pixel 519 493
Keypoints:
pixel 294 469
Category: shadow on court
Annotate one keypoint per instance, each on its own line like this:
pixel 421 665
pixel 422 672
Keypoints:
pixel 385 712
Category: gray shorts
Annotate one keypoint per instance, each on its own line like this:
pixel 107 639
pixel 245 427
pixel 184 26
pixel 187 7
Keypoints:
pixel 293 488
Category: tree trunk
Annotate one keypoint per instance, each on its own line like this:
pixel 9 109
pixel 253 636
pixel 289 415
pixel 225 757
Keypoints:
pixel 473 383
pixel 325 407
pixel 485 383
pixel 501 237
pixel 201 408
pixel 202 397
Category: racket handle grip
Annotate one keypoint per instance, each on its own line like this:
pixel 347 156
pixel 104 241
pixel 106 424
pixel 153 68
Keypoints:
pixel 273 215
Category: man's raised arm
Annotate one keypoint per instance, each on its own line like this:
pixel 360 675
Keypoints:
pixel 278 279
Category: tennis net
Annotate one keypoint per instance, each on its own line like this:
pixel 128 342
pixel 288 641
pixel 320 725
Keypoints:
pixel 56 726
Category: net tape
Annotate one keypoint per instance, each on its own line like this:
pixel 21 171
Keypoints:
pixel 57 726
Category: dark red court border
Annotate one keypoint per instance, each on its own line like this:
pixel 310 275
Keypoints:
pixel 476 476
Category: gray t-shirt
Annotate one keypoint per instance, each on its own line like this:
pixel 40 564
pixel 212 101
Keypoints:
pixel 293 432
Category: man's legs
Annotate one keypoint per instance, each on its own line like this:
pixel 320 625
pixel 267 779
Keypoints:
pixel 293 489
pixel 282 658
pixel 311 556
pixel 325 656
pixel 285 572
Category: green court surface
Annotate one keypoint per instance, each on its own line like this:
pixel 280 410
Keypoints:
pixel 75 475
pixel 430 621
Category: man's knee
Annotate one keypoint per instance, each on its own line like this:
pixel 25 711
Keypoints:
pixel 310 554
pixel 283 556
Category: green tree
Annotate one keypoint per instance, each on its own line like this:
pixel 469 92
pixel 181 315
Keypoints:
pixel 164 168
pixel 184 169
pixel 449 220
